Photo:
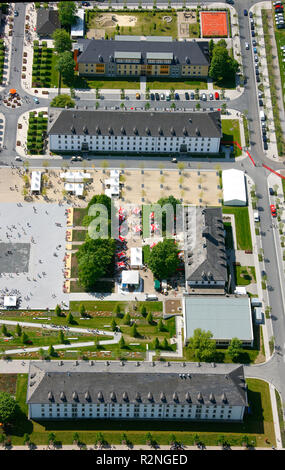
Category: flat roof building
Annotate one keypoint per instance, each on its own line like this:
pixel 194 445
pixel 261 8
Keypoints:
pixel 234 188
pixel 226 317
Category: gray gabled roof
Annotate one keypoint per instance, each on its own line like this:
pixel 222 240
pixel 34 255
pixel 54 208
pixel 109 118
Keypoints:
pixel 47 21
pixel 208 260
pixel 158 383
pixel 101 50
pixel 142 123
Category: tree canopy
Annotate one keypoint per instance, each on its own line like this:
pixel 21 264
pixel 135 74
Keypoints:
pixel 8 407
pixel 67 13
pixel 203 346
pixel 65 65
pixel 62 41
pixel 223 67
pixel 95 257
pixel 61 101
pixel 235 349
pixel 163 259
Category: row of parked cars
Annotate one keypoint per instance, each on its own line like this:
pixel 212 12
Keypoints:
pixel 188 96
pixel 279 15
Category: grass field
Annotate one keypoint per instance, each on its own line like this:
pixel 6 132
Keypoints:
pixel 245 275
pixel 243 233
pixel 258 425
pixel 231 133
pixel 149 23
pixel 167 84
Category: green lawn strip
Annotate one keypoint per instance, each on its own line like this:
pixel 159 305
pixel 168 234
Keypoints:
pixel 78 216
pixel 231 133
pixel 274 97
pixel 243 233
pixel 114 83
pixel 246 130
pixel 79 235
pixel 258 425
pixel 244 275
pixel 100 286
pixel 183 84
pixel 148 23
pixel 93 306
pixel 280 416
pixel 194 30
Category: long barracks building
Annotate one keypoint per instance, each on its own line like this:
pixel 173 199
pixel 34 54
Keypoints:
pixel 129 131
pixel 136 390
pixel 131 56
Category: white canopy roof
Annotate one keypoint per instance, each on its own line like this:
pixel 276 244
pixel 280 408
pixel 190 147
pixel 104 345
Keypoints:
pixel 136 256
pixel 10 301
pixel 130 277
pixel 114 173
pixel 75 177
pixel 234 189
pixel 76 188
pixel 36 180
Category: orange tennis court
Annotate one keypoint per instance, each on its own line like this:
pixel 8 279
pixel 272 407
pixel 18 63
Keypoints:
pixel 214 24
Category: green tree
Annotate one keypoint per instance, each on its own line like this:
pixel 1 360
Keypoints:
pixel 65 66
pixel 57 311
pixel 165 344
pixel 160 325
pixel 133 331
pixel 70 319
pixel 156 344
pixel 163 259
pixel 51 351
pixel 8 408
pixel 67 13
pixel 202 345
pixel 143 311
pixel 18 330
pixel 122 343
pixel 4 330
pixel 61 101
pixel 113 325
pixel 51 438
pixel 117 311
pixel 223 67
pixel 82 310
pixel 149 318
pixel 127 319
pixel 75 438
pixel 62 41
pixel 235 349
pixel 61 337
pixel 24 338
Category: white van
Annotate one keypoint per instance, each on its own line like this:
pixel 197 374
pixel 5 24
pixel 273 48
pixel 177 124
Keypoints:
pixel 262 116
pixel 151 297
pixel 256 216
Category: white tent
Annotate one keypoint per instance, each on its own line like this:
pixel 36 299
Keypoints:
pixel 36 181
pixel 75 177
pixel 234 188
pixel 75 188
pixel 10 301
pixel 130 278
pixel 136 257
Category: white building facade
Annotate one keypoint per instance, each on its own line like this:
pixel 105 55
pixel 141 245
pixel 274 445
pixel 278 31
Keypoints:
pixel 106 131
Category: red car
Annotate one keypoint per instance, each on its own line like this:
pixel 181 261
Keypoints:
pixel 273 210
pixel 217 96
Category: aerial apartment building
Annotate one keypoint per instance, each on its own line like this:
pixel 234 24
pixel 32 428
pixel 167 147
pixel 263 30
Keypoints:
pixel 134 132
pixel 136 390
pixel 131 56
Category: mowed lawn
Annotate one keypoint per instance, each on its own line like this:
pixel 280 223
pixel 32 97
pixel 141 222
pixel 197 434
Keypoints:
pixel 257 426
pixel 231 133
pixel 243 233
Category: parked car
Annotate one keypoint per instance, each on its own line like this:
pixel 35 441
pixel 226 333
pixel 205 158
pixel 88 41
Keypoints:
pixel 252 34
pixel 260 95
pixel 252 26
pixel 271 192
pixel 257 71
pixel 231 2
pixel 192 96
pixel 204 97
pixel 217 96
pixel 256 58
pixel 138 96
pixel 18 159
pixel 258 78
pixel 250 14
pixel 265 145
pixel 157 96
pixel 16 13
pixel 162 96
pixel 246 45
pixel 211 96
pixel 264 138
pixel 152 96
pixel 280 26
pixel 255 50
pixel 260 102
pixel 254 42
pixel 245 12
pixel 36 100
pixel 263 130
pixel 279 10
pixel 177 97
pixel 277 3
pixel 85 4
pixel 168 96
pixel 187 96
pixel 273 210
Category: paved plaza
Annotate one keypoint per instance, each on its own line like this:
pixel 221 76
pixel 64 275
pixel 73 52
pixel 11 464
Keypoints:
pixel 32 248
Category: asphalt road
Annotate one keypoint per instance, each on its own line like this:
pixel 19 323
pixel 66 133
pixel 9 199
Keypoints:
pixel 274 370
